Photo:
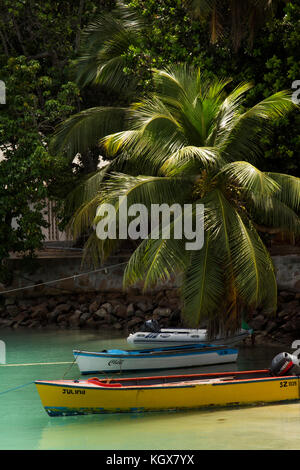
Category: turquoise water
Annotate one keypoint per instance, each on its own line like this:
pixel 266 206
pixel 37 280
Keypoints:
pixel 24 425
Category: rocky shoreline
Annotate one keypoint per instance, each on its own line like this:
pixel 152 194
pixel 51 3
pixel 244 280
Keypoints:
pixel 126 312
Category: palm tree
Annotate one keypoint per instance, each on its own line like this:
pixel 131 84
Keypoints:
pixel 190 142
pixel 234 18
pixel 103 44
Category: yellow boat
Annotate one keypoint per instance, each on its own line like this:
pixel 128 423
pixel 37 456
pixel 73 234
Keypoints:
pixel 165 393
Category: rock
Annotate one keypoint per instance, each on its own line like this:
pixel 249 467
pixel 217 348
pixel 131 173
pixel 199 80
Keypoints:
pixel 39 311
pixel 74 319
pixel 271 326
pixel 108 307
pixel 21 317
pixel 94 307
pixel 61 318
pixel 101 313
pixel 144 307
pixel 13 310
pixel 133 322
pixel 258 322
pixel 91 323
pixel 84 317
pixel 163 312
pixel 59 310
pixel 63 308
pixel 286 296
pixel 130 310
pixel 120 311
pixel 292 307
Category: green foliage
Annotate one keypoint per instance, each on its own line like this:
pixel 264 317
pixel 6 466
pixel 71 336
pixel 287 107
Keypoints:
pixel 271 64
pixel 38 41
pixel 192 142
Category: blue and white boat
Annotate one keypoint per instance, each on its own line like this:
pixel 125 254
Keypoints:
pixel 116 360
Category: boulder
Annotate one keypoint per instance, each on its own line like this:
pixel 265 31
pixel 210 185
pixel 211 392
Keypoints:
pixel 162 312
pixel 120 311
pixel 94 307
pixel 130 310
pixel 108 307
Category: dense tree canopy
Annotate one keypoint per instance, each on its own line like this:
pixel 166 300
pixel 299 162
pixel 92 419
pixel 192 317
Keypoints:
pixel 43 44
pixel 38 41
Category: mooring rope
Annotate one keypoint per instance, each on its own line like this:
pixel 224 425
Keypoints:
pixel 16 388
pixel 35 364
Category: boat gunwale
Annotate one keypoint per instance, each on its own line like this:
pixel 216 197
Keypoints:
pixel 167 385
pixel 156 353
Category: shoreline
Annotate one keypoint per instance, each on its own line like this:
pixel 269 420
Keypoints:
pixel 127 311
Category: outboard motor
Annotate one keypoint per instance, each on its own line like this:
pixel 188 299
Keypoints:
pixel 152 326
pixel 285 364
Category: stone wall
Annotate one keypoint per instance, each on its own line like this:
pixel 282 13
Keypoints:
pixel 287 271
pixel 110 276
pixel 97 300
pixel 126 312
pixel 115 310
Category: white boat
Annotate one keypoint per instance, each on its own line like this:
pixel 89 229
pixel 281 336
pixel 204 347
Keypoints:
pixel 177 337
pixel 116 360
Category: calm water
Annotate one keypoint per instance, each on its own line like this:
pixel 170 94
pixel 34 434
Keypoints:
pixel 24 425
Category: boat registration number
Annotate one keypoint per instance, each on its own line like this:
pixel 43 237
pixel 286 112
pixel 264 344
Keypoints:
pixel 287 383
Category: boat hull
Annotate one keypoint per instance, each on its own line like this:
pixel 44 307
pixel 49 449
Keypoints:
pixel 61 398
pixel 96 362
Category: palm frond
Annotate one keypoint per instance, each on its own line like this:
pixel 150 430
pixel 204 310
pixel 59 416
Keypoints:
pixel 83 130
pixel 104 43
pixel 96 250
pixel 203 285
pixel 289 193
pixel 253 268
pixel 270 213
pixel 146 189
pixel 156 261
pixel 248 178
pixel 202 157
pixel 250 126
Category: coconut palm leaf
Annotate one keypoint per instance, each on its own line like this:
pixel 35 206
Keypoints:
pixel 289 192
pixel 253 269
pixel 190 142
pixel 104 43
pixel 156 261
pixel 96 250
pixel 269 213
pixel 84 130
pixel 249 179
pixel 203 286
pixel 250 126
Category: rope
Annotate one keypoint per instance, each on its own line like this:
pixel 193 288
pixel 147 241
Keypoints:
pixel 16 388
pixel 34 364
pixel 63 278
pixel 72 363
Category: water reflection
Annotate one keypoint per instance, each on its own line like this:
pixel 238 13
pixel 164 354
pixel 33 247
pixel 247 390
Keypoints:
pixel 268 427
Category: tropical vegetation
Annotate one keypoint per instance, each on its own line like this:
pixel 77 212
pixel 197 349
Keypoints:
pixel 190 141
pixel 198 132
